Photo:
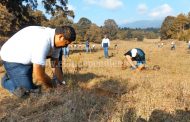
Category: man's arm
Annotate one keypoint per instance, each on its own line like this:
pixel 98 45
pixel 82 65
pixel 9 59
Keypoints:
pixel 58 73
pixel 40 75
pixel 129 59
pixel 57 68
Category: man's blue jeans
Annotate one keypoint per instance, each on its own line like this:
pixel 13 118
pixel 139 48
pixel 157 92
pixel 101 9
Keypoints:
pixel 140 63
pixel 17 76
pixel 106 52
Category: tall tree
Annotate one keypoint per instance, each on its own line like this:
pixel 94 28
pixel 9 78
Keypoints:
pixel 167 30
pixel 94 33
pixel 5 20
pixel 20 10
pixel 110 28
pixel 38 17
pixel 83 25
pixel 181 22
pixel 188 18
pixel 59 19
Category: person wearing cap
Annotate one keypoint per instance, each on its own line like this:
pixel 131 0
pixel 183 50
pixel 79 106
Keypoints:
pixel 105 44
pixel 24 57
pixel 138 55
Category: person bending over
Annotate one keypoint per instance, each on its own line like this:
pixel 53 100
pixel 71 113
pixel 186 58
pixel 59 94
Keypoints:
pixel 24 57
pixel 137 55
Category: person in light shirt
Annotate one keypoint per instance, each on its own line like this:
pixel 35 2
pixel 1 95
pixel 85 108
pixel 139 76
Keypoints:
pixel 24 57
pixel 105 44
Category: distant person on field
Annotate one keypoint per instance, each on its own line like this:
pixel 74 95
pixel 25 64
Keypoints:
pixel 87 45
pixel 105 44
pixel 173 46
pixel 24 57
pixel 115 46
pixel 189 44
pixel 159 45
pixel 138 55
pixel 93 47
pixel 66 51
pixel 75 46
pixel 162 44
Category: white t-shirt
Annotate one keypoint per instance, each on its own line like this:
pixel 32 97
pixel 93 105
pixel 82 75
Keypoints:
pixel 105 40
pixel 30 45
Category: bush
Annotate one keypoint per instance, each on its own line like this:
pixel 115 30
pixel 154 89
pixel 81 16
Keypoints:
pixel 185 36
pixel 140 38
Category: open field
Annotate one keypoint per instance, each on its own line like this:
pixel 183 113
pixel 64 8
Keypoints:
pixel 99 90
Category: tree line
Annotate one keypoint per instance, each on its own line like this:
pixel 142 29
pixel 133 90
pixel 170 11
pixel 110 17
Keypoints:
pixel 176 27
pixel 17 14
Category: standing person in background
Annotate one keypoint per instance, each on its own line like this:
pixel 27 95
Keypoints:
pixel 68 51
pixel 105 44
pixel 93 47
pixel 138 55
pixel 24 57
pixel 189 44
pixel 87 45
pixel 65 51
pixel 115 46
pixel 173 46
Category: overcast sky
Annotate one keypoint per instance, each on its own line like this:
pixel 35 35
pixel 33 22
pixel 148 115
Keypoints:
pixel 125 11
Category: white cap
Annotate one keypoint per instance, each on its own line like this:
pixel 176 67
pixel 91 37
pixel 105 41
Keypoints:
pixel 134 52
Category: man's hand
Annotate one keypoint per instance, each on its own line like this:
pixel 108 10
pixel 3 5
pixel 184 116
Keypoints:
pixel 129 59
pixel 57 70
pixel 57 82
pixel 134 68
pixel 41 76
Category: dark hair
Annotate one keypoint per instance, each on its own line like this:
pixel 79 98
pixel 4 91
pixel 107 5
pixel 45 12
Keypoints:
pixel 67 31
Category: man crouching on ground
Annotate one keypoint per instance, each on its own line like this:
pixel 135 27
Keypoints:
pixel 137 55
pixel 25 53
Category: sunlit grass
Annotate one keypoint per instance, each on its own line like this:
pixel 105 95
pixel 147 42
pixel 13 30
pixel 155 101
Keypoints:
pixel 143 93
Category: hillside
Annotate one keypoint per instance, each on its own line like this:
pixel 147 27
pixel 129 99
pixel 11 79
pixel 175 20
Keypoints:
pixel 100 90
pixel 144 24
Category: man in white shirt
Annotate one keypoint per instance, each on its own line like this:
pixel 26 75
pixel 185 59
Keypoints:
pixel 105 44
pixel 24 56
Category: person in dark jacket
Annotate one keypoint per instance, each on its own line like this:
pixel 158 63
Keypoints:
pixel 138 55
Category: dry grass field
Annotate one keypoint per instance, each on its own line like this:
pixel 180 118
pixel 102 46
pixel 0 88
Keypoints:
pixel 100 90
